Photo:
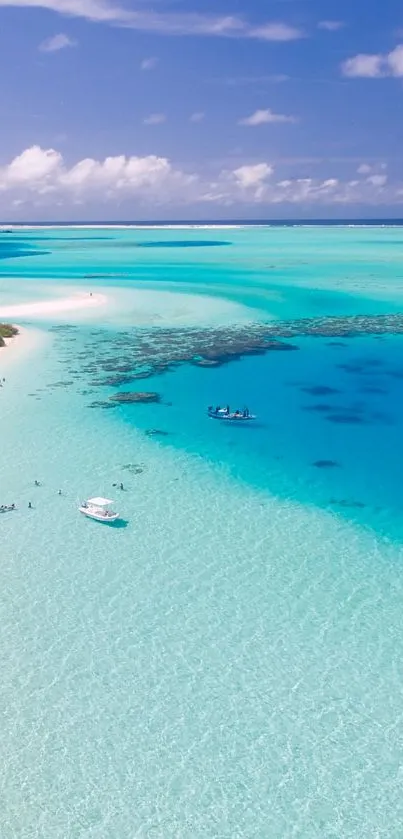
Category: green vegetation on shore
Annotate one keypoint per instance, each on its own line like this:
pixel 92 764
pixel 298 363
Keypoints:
pixel 7 331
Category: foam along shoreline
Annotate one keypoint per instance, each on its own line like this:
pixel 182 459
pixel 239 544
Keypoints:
pixel 50 307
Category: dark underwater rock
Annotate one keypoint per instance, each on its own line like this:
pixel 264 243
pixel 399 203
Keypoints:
pixel 104 405
pixel 325 464
pixel 113 381
pixel 320 390
pixel 279 345
pixel 134 468
pixel 136 397
pixel 145 375
pixel 206 362
pixel 320 408
pixel 345 502
pixel 346 419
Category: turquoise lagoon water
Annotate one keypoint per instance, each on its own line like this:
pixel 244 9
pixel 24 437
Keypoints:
pixel 228 664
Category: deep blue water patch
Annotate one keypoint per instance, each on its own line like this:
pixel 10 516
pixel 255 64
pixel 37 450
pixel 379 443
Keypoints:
pixel 11 248
pixel 297 443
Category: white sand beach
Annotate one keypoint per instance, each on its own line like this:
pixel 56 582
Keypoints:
pixel 47 307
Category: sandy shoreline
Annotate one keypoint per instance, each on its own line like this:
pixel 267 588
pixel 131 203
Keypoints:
pixel 27 340
pixel 20 346
pixel 48 307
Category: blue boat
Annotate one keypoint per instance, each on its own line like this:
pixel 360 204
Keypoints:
pixel 226 415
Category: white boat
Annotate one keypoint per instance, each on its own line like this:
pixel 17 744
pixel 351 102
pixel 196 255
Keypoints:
pixel 98 509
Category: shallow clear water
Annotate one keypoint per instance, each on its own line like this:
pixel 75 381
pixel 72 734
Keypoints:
pixel 228 663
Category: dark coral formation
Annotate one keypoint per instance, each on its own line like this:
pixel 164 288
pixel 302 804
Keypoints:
pixel 320 390
pixel 325 464
pixel 117 359
pixel 339 326
pixel 135 397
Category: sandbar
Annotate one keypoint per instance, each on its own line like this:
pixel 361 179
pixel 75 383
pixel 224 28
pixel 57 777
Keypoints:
pixel 47 307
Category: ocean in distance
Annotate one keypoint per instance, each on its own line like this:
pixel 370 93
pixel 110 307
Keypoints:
pixel 227 664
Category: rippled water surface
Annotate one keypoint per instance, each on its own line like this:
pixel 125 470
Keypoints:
pixel 227 663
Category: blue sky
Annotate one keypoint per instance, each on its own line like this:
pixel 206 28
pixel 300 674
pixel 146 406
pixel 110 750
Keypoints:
pixel 191 109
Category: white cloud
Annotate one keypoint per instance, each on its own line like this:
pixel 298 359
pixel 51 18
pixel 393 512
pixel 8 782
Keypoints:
pixel 252 176
pixel 41 178
pixel 154 119
pixel 395 61
pixel 34 164
pixel 377 65
pixel 166 23
pixel 149 63
pixel 265 117
pixel 374 169
pixel 43 173
pixel 56 43
pixel 198 116
pixel 377 180
pixel 331 25
pixel 365 66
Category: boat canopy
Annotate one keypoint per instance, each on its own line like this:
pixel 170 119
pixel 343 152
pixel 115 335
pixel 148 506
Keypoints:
pixel 100 502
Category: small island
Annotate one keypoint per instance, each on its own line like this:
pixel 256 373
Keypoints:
pixel 7 331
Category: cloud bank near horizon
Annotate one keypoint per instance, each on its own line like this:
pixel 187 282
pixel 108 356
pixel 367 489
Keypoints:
pixel 40 178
